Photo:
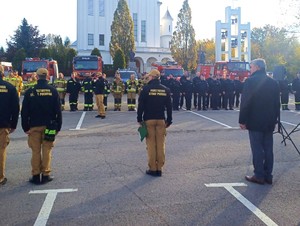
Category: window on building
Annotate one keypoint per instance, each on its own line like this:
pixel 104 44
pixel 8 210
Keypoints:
pixel 135 25
pixel 143 31
pixel 101 40
pixel 101 8
pixel 90 7
pixel 90 39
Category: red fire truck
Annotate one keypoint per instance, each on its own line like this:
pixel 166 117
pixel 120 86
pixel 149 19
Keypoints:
pixel 233 68
pixel 7 67
pixel 168 68
pixel 30 65
pixel 86 66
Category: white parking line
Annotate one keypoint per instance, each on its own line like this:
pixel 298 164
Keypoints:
pixel 44 213
pixel 78 127
pixel 288 123
pixel 220 123
pixel 229 187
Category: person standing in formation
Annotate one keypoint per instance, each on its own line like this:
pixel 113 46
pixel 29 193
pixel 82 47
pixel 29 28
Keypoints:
pixel 87 89
pixel 154 100
pixel 99 89
pixel 117 90
pixel 106 90
pixel 41 121
pixel 132 87
pixel 9 115
pixel 61 86
pixel 73 88
pixel 296 91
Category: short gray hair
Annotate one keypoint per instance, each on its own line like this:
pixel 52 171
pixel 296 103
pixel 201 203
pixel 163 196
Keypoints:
pixel 259 62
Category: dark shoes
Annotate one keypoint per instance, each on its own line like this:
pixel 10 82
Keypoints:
pixel 3 181
pixel 269 181
pixel 100 116
pixel 253 179
pixel 154 173
pixel 36 179
pixel 46 179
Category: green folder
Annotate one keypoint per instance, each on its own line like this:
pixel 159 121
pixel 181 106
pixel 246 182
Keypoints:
pixel 143 131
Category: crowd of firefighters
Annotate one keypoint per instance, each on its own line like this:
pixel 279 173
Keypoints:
pixel 215 92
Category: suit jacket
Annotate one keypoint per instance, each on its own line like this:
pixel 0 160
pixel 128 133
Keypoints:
pixel 260 103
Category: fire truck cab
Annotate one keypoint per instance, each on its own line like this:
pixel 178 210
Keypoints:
pixel 86 66
pixel 7 67
pixel 239 69
pixel 31 65
pixel 168 68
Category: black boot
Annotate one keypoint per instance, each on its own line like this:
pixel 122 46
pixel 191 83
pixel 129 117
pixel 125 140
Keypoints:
pixel 46 179
pixel 36 179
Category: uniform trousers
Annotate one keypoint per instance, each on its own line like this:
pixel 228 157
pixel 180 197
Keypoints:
pixel 73 101
pixel 284 99
pixel 100 104
pixel 155 142
pixel 88 100
pixel 4 141
pixel 62 99
pixel 131 100
pixel 117 100
pixel 41 151
pixel 262 153
pixel 297 100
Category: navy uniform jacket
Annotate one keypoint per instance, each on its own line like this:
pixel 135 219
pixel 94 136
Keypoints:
pixel 73 87
pixel 260 103
pixel 153 100
pixel 41 105
pixel 9 105
pixel 99 86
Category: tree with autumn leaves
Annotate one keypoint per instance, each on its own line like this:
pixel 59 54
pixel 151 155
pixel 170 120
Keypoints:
pixel 122 34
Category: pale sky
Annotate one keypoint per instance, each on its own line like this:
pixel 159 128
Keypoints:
pixel 59 16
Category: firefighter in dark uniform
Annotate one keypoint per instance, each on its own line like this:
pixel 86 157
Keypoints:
pixel 203 93
pixel 229 90
pixel 182 80
pixel 221 80
pixel 106 90
pixel 284 93
pixel 188 93
pixel 153 101
pixel 196 83
pixel 209 81
pixel 41 120
pixel 87 89
pixel 296 91
pixel 73 88
pixel 238 90
pixel 175 88
pixel 215 91
pixel 9 115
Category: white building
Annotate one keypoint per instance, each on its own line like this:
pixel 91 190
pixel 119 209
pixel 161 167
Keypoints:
pixel 152 35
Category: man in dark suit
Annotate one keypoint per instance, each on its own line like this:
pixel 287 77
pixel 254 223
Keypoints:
pixel 259 113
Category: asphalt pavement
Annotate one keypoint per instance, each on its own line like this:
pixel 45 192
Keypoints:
pixel 99 174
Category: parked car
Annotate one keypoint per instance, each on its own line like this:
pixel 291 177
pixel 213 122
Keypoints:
pixel 125 74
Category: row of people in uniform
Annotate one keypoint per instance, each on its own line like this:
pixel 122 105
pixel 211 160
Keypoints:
pixel 214 92
pixel 98 85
